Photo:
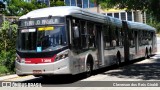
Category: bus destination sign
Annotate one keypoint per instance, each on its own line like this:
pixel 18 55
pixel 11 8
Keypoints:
pixel 40 21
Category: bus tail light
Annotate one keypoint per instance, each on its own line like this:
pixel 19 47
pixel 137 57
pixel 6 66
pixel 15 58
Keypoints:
pixel 61 56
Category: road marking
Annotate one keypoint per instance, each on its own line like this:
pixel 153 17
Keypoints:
pixel 17 78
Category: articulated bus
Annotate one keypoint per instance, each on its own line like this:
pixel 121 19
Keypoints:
pixel 71 40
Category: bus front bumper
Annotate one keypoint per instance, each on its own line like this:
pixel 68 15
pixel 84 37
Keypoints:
pixel 55 68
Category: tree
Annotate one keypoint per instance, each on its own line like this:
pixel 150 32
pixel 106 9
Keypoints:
pixel 2 7
pixel 151 6
pixel 20 7
pixel 57 3
pixel 7 47
pixel 7 44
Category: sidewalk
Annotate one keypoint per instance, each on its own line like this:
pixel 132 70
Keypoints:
pixel 8 77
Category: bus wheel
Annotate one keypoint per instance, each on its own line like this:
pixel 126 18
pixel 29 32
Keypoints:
pixel 22 75
pixel 118 58
pixel 89 69
pixel 46 76
pixel 150 51
pixel 118 61
pixel 146 54
pixel 36 75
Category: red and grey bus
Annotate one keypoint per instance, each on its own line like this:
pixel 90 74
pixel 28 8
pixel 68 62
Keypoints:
pixel 71 40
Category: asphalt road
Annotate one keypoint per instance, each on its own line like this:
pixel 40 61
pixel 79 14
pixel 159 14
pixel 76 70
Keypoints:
pixel 139 70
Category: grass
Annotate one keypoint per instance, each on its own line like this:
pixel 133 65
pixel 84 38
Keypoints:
pixel 3 70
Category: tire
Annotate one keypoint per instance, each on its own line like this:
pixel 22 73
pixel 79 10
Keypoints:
pixel 146 54
pixel 22 75
pixel 89 69
pixel 46 77
pixel 36 75
pixel 118 61
pixel 150 51
pixel 118 58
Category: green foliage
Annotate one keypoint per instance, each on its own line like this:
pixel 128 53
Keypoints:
pixel 56 3
pixel 3 70
pixel 20 7
pixel 129 4
pixel 151 6
pixel 7 46
pixel 2 5
pixel 155 24
pixel 8 30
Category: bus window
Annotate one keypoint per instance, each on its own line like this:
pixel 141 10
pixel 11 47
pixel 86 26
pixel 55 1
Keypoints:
pixel 150 36
pixel 106 37
pixel 91 34
pixel 28 41
pixel 76 33
pixel 51 38
pixel 84 35
pixel 117 36
pixel 121 37
pixel 112 36
pixel 140 38
pixel 131 38
pixel 145 38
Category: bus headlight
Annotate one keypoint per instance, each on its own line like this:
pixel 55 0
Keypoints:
pixel 20 60
pixel 61 56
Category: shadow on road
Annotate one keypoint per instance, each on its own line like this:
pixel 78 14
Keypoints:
pixel 148 71
pixel 56 80
pixel 144 71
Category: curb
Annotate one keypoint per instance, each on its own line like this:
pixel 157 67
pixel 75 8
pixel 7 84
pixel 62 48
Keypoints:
pixel 8 77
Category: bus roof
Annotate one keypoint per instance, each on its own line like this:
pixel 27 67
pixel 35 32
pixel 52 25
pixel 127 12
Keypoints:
pixel 62 11
pixel 65 11
pixel 54 11
pixel 115 21
pixel 140 26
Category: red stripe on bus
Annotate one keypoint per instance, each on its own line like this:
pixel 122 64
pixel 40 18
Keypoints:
pixel 39 60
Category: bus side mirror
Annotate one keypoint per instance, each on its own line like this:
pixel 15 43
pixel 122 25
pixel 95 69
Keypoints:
pixel 76 32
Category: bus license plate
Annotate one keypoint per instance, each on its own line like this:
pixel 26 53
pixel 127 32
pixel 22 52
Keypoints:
pixel 37 71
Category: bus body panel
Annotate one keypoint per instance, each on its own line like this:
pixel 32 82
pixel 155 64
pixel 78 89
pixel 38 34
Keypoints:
pixel 58 67
pixel 80 49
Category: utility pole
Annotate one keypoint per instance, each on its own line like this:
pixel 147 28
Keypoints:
pixel 49 3
pixel 97 6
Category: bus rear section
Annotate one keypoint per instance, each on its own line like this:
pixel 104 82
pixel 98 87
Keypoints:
pixel 140 40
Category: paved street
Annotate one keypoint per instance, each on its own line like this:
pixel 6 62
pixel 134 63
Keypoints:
pixel 140 70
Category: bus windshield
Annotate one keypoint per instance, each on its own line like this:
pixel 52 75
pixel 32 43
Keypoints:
pixel 42 38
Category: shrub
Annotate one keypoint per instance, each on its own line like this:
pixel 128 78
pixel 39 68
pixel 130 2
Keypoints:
pixel 3 70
